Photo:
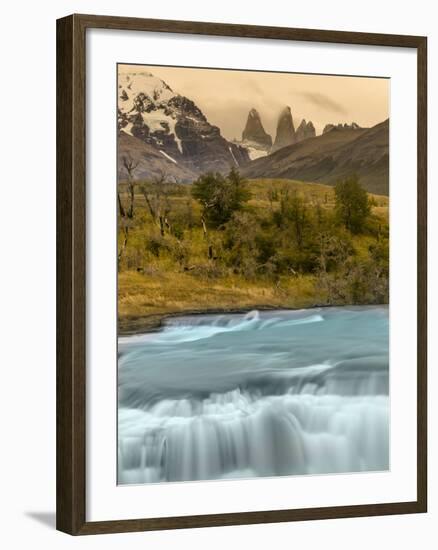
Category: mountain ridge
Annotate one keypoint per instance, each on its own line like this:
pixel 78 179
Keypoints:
pixel 331 156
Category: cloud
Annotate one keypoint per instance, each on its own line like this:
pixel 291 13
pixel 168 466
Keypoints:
pixel 321 100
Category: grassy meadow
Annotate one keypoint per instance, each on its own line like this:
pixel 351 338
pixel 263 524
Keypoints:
pixel 279 244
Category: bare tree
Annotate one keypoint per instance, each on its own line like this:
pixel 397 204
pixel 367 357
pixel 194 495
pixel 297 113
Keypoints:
pixel 156 195
pixel 272 195
pixel 127 213
pixel 130 167
pixel 204 227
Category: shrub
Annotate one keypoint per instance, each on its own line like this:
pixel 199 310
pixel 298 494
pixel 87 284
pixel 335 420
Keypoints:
pixel 156 244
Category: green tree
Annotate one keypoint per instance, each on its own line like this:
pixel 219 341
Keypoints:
pixel 295 212
pixel 220 196
pixel 352 204
pixel 240 243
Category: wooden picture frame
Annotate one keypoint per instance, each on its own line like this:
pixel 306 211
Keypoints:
pixel 71 273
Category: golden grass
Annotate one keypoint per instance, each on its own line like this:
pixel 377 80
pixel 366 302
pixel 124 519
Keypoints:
pixel 165 288
pixel 164 293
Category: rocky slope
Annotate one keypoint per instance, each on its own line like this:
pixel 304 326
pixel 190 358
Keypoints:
pixel 150 162
pixel 285 130
pixel 172 125
pixel 335 154
pixel 367 156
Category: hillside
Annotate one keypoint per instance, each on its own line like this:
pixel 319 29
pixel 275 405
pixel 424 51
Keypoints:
pixel 330 157
pixel 151 162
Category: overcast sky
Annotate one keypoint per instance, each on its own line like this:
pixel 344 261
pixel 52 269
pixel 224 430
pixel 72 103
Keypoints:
pixel 225 96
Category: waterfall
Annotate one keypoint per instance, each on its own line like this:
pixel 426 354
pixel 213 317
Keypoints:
pixel 261 394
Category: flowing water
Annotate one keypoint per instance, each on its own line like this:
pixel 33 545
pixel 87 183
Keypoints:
pixel 262 394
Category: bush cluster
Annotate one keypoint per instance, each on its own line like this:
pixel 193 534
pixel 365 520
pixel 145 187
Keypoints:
pixel 215 228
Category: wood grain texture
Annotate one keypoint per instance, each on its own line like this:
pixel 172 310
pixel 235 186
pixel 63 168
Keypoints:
pixel 247 31
pixel 422 275
pixel 71 270
pixel 71 230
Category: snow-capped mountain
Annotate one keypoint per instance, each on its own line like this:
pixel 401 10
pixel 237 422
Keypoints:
pixel 149 110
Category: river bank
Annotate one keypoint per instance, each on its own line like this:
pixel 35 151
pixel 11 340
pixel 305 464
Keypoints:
pixel 145 301
pixel 149 323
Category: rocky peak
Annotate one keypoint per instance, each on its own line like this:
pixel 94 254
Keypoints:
pixel 285 130
pixel 254 131
pixel 305 130
pixel 340 126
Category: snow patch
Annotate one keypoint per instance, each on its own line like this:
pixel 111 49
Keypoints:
pixel 133 83
pixel 173 131
pixel 128 128
pixel 168 157
pixel 256 153
pixel 232 154
pixel 255 150
pixel 158 121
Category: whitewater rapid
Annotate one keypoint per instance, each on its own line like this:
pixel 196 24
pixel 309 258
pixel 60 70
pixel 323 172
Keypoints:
pixel 261 394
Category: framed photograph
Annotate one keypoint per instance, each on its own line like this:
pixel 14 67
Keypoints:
pixel 241 274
